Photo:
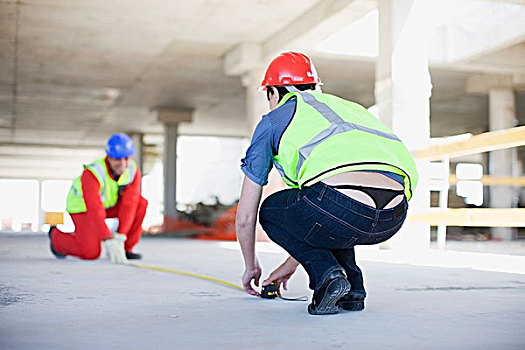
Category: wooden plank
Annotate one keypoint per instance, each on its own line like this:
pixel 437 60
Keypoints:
pixel 489 141
pixel 489 180
pixel 480 217
pixel 54 219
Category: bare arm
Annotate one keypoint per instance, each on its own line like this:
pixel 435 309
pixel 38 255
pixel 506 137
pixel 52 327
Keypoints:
pixel 245 228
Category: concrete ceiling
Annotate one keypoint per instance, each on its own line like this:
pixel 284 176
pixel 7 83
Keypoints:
pixel 73 72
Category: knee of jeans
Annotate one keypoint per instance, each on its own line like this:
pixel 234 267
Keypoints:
pixel 265 225
pixel 264 204
pixel 264 216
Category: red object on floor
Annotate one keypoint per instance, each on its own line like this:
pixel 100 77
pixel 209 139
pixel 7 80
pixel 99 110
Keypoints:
pixel 222 229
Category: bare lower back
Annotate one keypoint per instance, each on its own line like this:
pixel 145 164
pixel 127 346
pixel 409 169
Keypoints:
pixel 365 178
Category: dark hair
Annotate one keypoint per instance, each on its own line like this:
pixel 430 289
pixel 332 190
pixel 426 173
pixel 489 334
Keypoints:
pixel 282 90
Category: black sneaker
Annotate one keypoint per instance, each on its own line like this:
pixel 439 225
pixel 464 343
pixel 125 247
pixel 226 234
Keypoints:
pixel 133 256
pixel 56 254
pixel 325 299
pixel 352 302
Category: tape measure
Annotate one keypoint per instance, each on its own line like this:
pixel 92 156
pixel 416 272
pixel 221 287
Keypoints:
pixel 267 292
pixel 180 272
pixel 270 292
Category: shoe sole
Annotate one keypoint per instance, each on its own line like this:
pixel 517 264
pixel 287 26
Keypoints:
pixel 133 257
pixel 352 305
pixel 57 255
pixel 335 291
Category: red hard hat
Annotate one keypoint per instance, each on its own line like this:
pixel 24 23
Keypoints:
pixel 290 68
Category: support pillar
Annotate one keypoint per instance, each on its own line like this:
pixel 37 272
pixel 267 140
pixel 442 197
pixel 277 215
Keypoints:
pixel 171 119
pixel 139 149
pixel 403 90
pixel 256 102
pixel 244 61
pixel 170 170
pixel 502 115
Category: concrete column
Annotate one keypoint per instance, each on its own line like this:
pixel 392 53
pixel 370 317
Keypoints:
pixel 41 219
pixel 502 115
pixel 139 149
pixel 403 90
pixel 170 170
pixel 256 101
pixel 171 119
pixel 244 61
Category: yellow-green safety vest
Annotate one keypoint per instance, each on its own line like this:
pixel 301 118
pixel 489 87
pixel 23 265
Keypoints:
pixel 109 188
pixel 329 135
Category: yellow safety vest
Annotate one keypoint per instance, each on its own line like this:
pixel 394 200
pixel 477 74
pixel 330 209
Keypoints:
pixel 329 135
pixel 109 188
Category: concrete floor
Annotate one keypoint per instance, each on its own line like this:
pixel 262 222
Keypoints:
pixel 413 303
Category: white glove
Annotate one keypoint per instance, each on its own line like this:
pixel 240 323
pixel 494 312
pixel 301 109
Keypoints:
pixel 115 248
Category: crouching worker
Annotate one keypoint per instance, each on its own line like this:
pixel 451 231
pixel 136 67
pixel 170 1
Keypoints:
pixel 108 188
pixel 351 178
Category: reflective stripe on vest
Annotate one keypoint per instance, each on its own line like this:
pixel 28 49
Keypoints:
pixel 101 176
pixel 132 170
pixel 337 126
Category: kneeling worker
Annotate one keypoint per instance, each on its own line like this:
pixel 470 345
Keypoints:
pixel 108 188
pixel 351 178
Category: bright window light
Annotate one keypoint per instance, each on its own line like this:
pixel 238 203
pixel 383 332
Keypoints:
pixel 208 169
pixel 469 171
pixel 19 205
pixel 54 195
pixel 472 191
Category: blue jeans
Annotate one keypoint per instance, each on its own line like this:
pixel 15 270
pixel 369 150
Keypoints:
pixel 319 226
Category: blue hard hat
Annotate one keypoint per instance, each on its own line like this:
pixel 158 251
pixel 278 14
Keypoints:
pixel 120 146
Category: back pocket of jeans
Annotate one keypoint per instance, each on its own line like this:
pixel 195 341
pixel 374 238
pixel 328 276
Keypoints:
pixel 321 238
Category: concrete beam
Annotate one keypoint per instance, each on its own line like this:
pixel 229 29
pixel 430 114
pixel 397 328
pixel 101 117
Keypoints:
pixel 51 151
pixel 517 2
pixel 310 27
pixel 40 174
pixel 242 59
pixel 502 28
pixel 519 81
pixel 483 83
pixel 476 67
pixel 172 116
pixel 315 25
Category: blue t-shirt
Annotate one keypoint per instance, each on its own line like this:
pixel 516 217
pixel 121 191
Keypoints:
pixel 258 160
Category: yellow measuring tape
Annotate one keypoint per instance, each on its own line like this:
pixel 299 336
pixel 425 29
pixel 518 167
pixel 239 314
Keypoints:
pixel 191 274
